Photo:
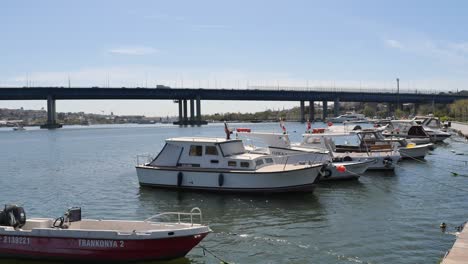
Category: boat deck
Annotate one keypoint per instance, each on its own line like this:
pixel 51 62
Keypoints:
pixel 114 225
pixel 459 252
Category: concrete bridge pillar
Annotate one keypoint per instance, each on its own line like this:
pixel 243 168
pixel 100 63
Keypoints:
pixel 185 113
pixel 180 112
pixel 199 119
pixel 192 112
pixel 325 110
pixel 311 111
pixel 336 107
pixel 51 114
pixel 302 117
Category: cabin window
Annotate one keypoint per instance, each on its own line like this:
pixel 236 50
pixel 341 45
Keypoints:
pixel 259 162
pixel 269 160
pixel 211 150
pixel 232 163
pixel 245 164
pixel 215 161
pixel 196 150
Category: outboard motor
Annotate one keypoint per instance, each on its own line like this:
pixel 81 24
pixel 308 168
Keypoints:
pixel 13 215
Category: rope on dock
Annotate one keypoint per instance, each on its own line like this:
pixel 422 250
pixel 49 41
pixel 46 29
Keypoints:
pixel 212 254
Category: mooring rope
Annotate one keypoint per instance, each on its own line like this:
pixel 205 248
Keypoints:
pixel 212 254
pixel 439 182
pixel 382 189
pixel 452 172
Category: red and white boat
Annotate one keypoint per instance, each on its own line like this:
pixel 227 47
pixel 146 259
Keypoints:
pixel 71 238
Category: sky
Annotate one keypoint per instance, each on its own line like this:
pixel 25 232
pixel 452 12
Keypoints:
pixel 229 44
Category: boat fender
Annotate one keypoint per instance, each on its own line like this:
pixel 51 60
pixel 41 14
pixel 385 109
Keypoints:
pixel 180 177
pixel 387 161
pixel 347 158
pixel 220 180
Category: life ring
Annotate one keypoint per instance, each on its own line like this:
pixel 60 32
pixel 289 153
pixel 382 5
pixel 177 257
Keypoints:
pixel 323 173
pixel 180 177
pixel 387 161
pixel 220 180
pixel 327 173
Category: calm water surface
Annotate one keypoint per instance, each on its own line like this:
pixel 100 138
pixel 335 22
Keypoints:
pixel 380 218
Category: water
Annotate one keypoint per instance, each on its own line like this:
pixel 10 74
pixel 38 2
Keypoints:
pixel 381 218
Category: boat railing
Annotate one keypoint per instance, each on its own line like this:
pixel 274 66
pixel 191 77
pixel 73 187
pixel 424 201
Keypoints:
pixel 144 158
pixel 194 212
pixel 302 159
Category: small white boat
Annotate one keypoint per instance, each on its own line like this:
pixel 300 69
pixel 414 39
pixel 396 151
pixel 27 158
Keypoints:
pixel 350 116
pixel 347 145
pixel 372 139
pixel 224 165
pixel 408 129
pixel 279 144
pixel 18 127
pixel 70 238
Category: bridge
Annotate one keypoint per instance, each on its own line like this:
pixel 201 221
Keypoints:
pixel 194 95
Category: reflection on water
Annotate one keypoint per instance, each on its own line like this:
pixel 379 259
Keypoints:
pixel 384 217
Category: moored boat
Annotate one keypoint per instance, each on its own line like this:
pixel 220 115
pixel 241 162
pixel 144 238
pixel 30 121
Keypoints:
pixel 346 146
pixel 71 238
pixel 224 165
pixel 280 145
pixel 350 116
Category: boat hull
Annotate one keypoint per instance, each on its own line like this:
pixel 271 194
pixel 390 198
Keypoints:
pixel 79 249
pixel 416 152
pixel 380 161
pixel 300 180
pixel 353 170
pixel 439 137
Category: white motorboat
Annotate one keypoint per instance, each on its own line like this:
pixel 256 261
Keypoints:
pixel 279 144
pixel 70 238
pixel 408 129
pixel 372 139
pixel 381 159
pixel 350 116
pixel 436 135
pixel 430 121
pixel 218 164
pixel 18 127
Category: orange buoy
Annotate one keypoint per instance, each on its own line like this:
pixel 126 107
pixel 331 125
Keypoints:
pixel 341 168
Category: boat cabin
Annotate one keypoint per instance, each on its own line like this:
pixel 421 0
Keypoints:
pixel 212 153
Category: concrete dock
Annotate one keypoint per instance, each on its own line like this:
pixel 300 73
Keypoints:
pixel 461 128
pixel 459 252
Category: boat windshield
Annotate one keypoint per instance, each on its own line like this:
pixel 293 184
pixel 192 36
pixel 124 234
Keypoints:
pixel 232 148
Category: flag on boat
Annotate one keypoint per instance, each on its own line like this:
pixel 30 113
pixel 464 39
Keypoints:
pixel 227 131
pixel 282 126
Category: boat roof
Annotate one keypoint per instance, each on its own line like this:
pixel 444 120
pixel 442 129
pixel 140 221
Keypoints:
pixel 201 140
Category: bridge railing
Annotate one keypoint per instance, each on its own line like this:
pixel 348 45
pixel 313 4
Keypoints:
pixel 297 88
pixel 348 89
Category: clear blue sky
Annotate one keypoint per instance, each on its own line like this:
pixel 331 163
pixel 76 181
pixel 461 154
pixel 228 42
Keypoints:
pixel 235 43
